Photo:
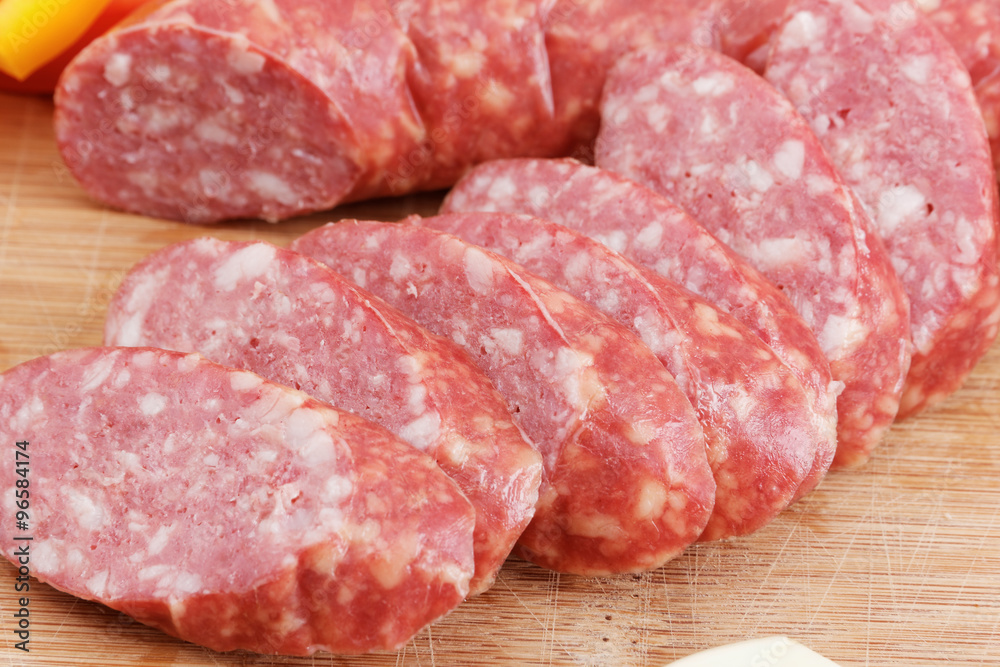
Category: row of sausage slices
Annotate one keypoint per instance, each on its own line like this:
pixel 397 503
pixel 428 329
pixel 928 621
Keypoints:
pixel 532 415
pixel 593 366
pixel 533 389
pixel 276 109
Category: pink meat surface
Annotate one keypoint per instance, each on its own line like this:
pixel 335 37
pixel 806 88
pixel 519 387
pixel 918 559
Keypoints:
pixel 584 38
pixel 209 111
pixel 722 143
pixel 760 429
pixel 627 483
pixel 862 72
pixel 480 82
pixel 653 232
pixel 293 321
pixel 972 27
pixel 227 510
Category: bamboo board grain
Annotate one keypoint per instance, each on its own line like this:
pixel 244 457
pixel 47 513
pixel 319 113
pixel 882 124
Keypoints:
pixel 894 564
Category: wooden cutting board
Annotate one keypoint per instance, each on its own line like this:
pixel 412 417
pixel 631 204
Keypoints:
pixel 894 564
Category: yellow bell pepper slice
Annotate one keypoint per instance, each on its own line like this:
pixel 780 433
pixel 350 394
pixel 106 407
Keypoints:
pixel 33 32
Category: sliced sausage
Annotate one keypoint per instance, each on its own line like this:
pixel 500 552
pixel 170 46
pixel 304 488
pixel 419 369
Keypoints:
pixel 972 27
pixel 892 103
pixel 293 321
pixel 227 510
pixel 627 483
pixel 651 231
pixel 480 82
pixel 585 37
pixel 760 429
pixel 205 111
pixel 721 142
